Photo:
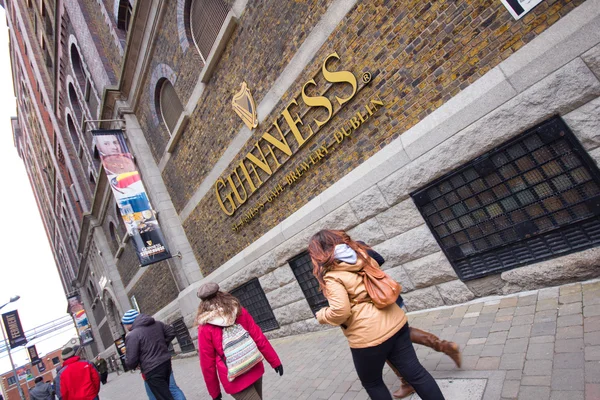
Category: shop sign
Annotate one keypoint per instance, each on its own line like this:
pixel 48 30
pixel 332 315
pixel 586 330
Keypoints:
pixel 131 197
pixel 274 147
pixel 518 8
pixel 121 350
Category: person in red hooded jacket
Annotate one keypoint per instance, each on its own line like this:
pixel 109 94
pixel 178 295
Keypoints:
pixel 219 310
pixel 79 379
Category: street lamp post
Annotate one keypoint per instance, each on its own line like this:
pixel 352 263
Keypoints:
pixel 12 299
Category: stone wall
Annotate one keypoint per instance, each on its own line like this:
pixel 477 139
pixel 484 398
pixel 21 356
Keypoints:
pixel 373 201
pixel 421 56
pixel 155 289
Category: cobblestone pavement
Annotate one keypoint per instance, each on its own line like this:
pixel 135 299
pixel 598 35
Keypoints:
pixel 536 346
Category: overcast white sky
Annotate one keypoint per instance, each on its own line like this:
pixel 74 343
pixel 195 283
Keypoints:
pixel 27 267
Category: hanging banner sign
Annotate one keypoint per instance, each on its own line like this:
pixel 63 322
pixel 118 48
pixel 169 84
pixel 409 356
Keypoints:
pixel 13 328
pixel 84 328
pixel 131 197
pixel 33 355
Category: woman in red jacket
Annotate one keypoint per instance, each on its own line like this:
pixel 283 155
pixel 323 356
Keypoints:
pixel 219 310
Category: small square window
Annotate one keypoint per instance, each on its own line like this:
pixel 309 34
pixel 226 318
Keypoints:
pixel 56 361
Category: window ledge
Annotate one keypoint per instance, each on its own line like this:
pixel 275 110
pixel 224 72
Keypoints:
pixel 217 50
pixel 178 131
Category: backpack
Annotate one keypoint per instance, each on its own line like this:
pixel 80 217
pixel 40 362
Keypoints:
pixel 383 290
pixel 240 352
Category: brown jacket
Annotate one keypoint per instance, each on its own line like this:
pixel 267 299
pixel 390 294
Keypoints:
pixel 366 325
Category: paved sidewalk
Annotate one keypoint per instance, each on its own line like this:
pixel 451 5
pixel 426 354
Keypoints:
pixel 535 346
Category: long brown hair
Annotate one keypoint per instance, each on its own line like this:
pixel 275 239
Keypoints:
pixel 225 303
pixel 321 248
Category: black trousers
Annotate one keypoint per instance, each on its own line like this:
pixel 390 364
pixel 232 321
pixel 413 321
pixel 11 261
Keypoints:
pixel 158 381
pixel 400 352
pixel 104 377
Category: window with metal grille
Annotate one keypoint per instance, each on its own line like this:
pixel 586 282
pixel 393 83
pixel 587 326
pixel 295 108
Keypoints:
pixel 533 198
pixel 302 269
pixel 206 19
pixel 170 105
pixel 253 298
pixel 124 15
pixel 183 336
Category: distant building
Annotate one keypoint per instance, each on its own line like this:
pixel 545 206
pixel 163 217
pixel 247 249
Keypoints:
pixel 460 142
pixel 27 374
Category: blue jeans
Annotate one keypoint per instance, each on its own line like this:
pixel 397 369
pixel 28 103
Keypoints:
pixel 175 391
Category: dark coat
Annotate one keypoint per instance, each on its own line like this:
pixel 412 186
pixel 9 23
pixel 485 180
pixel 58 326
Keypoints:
pixel 42 391
pixel 147 343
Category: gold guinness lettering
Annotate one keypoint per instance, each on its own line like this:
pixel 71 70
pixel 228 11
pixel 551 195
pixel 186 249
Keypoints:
pixel 273 149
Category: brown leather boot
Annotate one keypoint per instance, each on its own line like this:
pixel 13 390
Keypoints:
pixel 405 388
pixel 450 349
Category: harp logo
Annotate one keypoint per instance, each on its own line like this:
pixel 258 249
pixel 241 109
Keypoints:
pixel 244 106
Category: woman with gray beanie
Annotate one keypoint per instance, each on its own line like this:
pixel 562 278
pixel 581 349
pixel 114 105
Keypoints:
pixel 232 346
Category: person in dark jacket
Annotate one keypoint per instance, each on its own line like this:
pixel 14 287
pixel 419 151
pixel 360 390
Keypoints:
pixel 102 368
pixel 41 390
pixel 147 348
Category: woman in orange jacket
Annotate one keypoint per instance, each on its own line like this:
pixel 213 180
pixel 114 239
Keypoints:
pixel 374 334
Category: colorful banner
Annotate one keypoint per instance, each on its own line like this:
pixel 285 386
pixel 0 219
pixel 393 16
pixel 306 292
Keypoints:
pixel 13 328
pixel 84 328
pixel 131 197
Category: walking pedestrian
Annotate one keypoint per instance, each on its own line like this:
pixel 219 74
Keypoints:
pixel 102 367
pixel 147 347
pixel 417 336
pixel 176 392
pixel 374 334
pixel 232 346
pixel 79 379
pixel 41 390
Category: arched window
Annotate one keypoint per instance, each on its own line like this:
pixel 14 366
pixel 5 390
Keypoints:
pixel 76 107
pixel 113 234
pixel 169 104
pixel 124 15
pixel 73 133
pixel 77 66
pixel 206 19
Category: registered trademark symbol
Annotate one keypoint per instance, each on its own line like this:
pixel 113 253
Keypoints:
pixel 366 77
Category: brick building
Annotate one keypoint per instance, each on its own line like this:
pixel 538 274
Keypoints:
pixel 458 141
pixel 46 369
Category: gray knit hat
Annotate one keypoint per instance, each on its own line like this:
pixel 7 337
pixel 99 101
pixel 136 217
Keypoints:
pixel 67 352
pixel 208 290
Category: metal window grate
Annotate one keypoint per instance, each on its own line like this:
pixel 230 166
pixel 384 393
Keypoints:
pixel 253 298
pixel 183 336
pixel 206 19
pixel 302 267
pixel 170 105
pixel 533 198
